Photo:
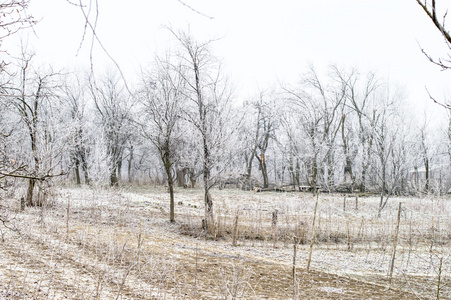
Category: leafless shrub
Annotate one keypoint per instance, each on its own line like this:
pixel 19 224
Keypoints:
pixel 233 283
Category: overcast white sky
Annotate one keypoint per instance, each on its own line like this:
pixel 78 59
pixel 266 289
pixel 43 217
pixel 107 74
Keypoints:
pixel 263 41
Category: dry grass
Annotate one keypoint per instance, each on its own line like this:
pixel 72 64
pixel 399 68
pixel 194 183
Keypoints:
pixel 119 245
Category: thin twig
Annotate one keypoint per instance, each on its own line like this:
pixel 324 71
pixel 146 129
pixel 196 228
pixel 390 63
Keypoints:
pixel 196 11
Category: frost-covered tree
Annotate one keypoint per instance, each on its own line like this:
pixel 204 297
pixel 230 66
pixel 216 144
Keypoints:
pixel 266 125
pixel 33 97
pixel 160 98
pixel 316 105
pixel 76 99
pixel 390 131
pixel 208 108
pixel 357 122
pixel 113 105
pixel 257 132
pixel 13 19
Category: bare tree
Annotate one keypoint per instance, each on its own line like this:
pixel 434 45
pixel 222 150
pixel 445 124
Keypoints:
pixel 113 105
pixel 390 133
pixel 425 153
pixel 317 105
pixel 384 144
pixel 295 149
pixel 76 99
pixel 249 135
pixel 34 100
pixel 161 98
pixel 209 108
pixel 266 124
pixel 357 108
pixel 14 17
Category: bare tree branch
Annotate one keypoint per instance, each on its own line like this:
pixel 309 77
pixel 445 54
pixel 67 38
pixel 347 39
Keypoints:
pixel 432 14
pixel 445 105
pixel 196 11
pixel 444 63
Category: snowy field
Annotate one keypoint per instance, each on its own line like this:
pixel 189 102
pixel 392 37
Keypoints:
pixel 118 244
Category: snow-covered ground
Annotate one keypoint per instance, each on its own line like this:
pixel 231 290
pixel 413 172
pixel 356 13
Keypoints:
pixel 118 244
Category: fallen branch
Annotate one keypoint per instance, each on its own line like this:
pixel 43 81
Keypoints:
pixel 39 178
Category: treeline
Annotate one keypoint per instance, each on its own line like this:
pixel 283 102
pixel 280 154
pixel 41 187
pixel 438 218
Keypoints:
pixel 183 124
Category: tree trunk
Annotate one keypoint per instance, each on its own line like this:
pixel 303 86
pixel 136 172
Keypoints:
pixel 291 170
pixel 180 177
pixel 113 177
pixel 263 168
pixel 314 176
pixel 77 171
pixel 297 173
pixel 265 174
pixel 348 174
pixel 330 171
pixel 383 189
pixel 209 218
pixel 192 177
pixel 426 167
pixel 171 190
pixel 130 161
pixel 119 169
pixel 165 157
pixel 171 200
pixel 76 155
pixel 84 166
pixel 275 171
pixel 249 160
pixel 30 189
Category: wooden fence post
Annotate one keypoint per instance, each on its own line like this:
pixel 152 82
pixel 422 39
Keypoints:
pixel 313 234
